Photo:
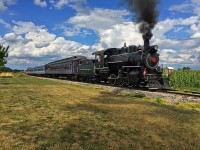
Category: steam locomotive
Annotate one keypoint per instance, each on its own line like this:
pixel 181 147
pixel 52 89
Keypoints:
pixel 131 66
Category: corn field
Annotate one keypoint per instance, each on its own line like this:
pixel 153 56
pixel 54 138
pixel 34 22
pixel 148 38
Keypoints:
pixel 185 78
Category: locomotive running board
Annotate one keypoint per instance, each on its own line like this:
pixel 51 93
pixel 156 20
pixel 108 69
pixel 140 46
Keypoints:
pixel 131 66
pixel 115 62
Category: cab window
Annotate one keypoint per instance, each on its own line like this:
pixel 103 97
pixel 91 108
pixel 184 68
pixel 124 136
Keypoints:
pixel 99 58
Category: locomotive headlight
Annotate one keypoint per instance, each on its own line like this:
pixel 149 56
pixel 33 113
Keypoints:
pixel 156 46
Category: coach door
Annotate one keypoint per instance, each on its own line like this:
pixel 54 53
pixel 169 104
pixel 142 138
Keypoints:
pixel 75 66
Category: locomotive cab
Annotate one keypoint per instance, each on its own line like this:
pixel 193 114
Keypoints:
pixel 101 65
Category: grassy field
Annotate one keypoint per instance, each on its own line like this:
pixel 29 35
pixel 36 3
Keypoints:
pixel 43 114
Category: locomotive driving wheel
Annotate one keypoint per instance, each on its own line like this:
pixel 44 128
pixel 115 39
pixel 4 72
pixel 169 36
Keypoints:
pixel 129 84
pixel 120 82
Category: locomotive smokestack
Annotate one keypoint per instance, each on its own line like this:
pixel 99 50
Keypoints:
pixel 146 43
pixel 144 12
pixel 146 37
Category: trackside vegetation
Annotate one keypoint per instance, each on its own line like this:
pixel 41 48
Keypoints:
pixel 188 80
pixel 43 114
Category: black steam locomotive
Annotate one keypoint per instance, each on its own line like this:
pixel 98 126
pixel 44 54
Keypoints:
pixel 131 66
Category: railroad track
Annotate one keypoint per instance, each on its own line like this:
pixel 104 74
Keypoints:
pixel 188 94
pixel 164 91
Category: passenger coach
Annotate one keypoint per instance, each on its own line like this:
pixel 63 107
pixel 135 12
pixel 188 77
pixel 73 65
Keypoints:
pixel 65 67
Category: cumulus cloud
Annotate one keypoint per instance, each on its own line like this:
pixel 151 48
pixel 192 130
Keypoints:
pixel 31 45
pixel 5 3
pixel 191 6
pixel 195 30
pixel 120 33
pixel 182 7
pixel 96 19
pixel 5 24
pixel 40 3
pixel 25 27
pixel 178 52
pixel 59 4
pixel 12 37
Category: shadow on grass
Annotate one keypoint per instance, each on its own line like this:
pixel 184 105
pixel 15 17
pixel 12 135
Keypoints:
pixel 170 130
pixel 110 126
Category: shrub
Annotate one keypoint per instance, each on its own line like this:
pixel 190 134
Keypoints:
pixel 139 95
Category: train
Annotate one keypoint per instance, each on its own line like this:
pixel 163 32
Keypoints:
pixel 132 65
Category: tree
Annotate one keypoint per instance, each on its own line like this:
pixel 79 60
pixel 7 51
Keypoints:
pixel 186 68
pixel 3 54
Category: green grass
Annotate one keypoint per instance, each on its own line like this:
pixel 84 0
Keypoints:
pixel 43 114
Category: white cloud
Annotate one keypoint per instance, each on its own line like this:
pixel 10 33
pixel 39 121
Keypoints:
pixel 196 6
pixel 170 56
pixel 178 52
pixel 5 24
pixel 59 4
pixel 189 21
pixel 12 37
pixel 25 27
pixel 186 7
pixel 196 35
pixel 40 3
pixel 31 44
pixel 195 30
pixel 96 19
pixel 5 3
pixel 182 7
pixel 120 33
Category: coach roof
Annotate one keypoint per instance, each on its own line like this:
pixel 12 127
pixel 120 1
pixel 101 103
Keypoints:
pixel 67 60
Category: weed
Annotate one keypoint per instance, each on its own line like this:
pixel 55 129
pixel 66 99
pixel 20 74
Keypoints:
pixel 193 105
pixel 160 100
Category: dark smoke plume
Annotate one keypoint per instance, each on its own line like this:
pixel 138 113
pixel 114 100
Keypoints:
pixel 144 12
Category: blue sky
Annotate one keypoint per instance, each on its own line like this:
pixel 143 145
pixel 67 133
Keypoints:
pixel 40 31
